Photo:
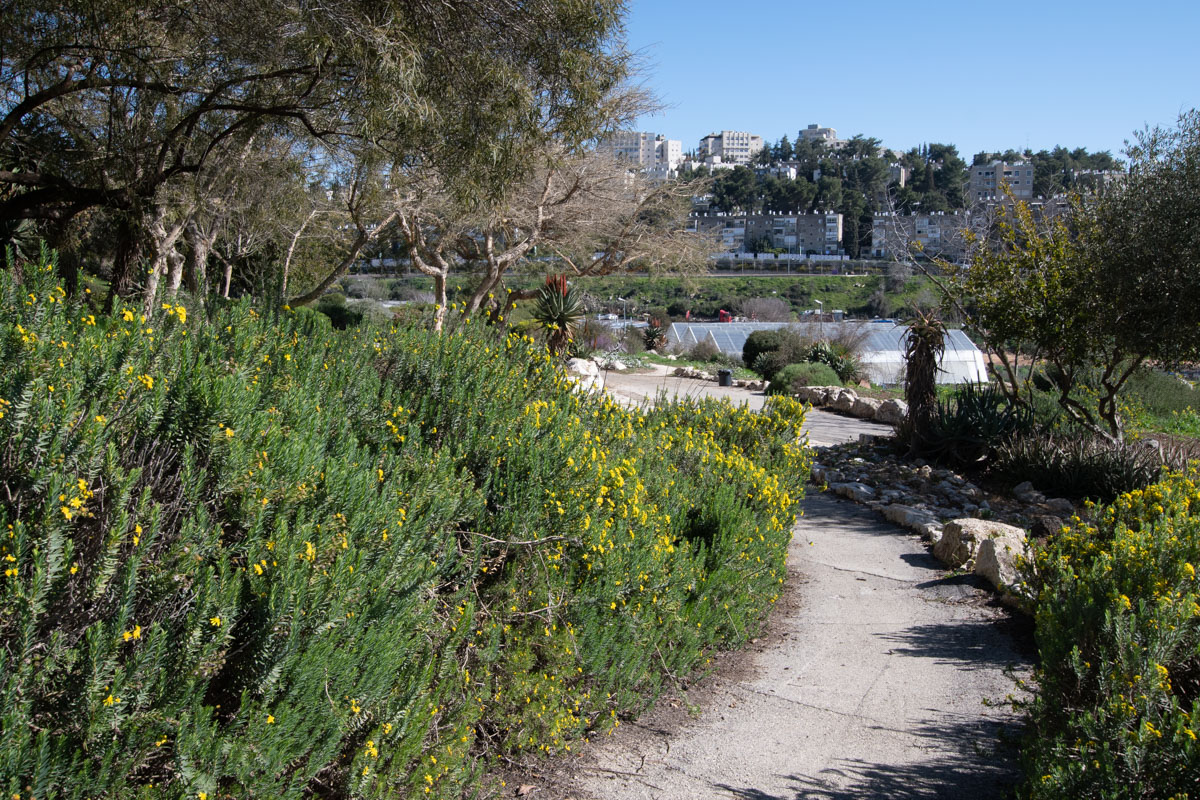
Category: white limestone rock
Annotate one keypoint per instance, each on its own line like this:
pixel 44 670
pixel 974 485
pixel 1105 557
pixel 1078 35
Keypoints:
pixel 891 412
pixel 961 538
pixel 997 556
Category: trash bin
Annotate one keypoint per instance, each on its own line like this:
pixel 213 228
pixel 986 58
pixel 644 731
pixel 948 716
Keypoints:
pixel 725 377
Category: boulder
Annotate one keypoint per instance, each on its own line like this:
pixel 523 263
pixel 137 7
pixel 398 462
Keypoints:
pixel 1045 526
pixel 823 474
pixel 891 412
pixel 1027 494
pixel 997 556
pixel 844 401
pixel 582 366
pixel 821 395
pixel 585 373
pixel 807 394
pixel 961 538
pixel 1060 507
pixel 865 407
pixel 680 372
pixel 931 532
pixel 858 492
pixel 907 516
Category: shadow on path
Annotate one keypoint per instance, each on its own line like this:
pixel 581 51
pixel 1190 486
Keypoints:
pixel 964 643
pixel 970 772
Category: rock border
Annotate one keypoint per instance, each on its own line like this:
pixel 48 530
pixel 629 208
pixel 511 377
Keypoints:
pixel 847 401
pixel 966 527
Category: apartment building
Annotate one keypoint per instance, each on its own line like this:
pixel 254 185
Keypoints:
pixel 651 151
pixel 803 234
pixel 826 135
pixel 730 147
pixel 939 235
pixel 985 181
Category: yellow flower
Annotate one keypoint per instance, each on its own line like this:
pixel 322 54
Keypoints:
pixel 127 316
pixel 229 432
pixel 270 719
pixel 214 621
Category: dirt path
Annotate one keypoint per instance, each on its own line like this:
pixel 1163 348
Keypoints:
pixel 871 682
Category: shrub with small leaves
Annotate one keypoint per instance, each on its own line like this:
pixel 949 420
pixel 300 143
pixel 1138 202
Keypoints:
pixel 1116 712
pixel 247 555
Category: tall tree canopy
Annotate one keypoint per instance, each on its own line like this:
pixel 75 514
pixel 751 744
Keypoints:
pixel 134 110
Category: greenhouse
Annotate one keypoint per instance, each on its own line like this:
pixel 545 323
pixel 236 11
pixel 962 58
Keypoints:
pixel 881 350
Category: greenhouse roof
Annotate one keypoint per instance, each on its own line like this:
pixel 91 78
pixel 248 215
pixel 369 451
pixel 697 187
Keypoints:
pixel 882 348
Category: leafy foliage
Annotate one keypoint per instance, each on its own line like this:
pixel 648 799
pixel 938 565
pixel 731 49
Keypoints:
pixel 655 335
pixel 559 310
pixel 760 342
pixel 922 351
pixel 258 557
pixel 1099 292
pixel 967 428
pixel 1118 632
pixel 793 376
pixel 1075 464
pixel 838 356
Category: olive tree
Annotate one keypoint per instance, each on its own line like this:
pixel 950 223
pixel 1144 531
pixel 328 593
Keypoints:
pixel 1110 285
pixel 592 213
pixel 115 106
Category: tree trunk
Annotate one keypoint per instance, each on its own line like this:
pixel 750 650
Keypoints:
pixel 291 251
pixel 362 240
pixel 126 260
pixel 175 261
pixel 195 273
pixel 163 259
pixel 439 296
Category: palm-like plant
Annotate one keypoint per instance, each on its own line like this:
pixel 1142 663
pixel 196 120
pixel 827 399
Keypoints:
pixel 655 335
pixel 924 348
pixel 559 310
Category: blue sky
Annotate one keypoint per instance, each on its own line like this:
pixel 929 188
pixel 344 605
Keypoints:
pixel 978 75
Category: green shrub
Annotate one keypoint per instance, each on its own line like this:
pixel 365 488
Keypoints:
pixel 249 556
pixel 769 364
pixel 333 305
pixel 793 376
pixel 969 427
pixel 760 342
pixel 1161 393
pixel 1077 465
pixel 839 357
pixel 1117 708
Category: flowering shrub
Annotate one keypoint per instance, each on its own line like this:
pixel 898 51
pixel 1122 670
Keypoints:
pixel 250 556
pixel 1117 713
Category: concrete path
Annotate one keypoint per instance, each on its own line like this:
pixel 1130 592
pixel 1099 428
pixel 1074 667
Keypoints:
pixel 872 682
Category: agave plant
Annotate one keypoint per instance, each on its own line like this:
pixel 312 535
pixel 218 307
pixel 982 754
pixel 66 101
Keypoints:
pixel 559 310
pixel 655 335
